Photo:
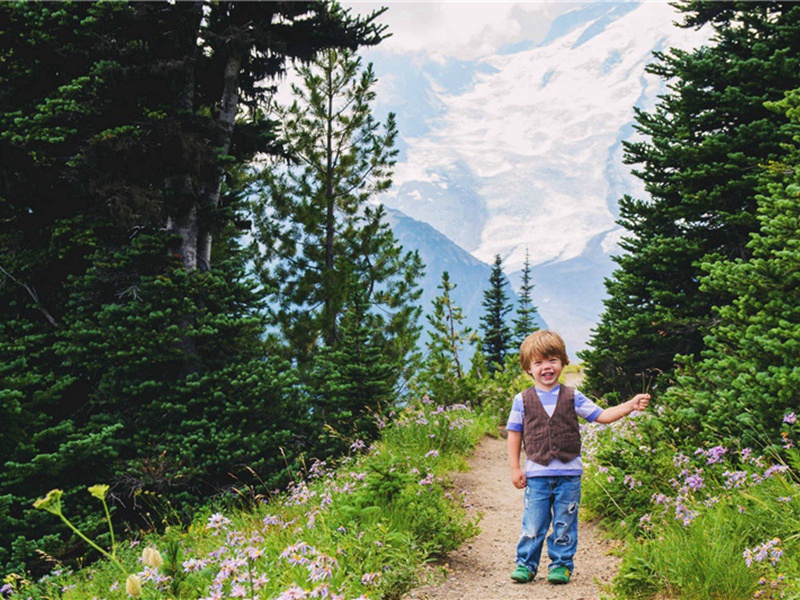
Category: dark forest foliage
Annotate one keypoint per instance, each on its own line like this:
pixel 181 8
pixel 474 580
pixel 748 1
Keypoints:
pixel 701 161
pixel 131 339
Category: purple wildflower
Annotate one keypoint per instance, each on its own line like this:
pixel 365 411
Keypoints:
pixel 293 593
pixel 715 454
pixel 775 469
pixel 370 578
pixel 735 479
pixel 217 521
pixel 791 418
pixel 694 481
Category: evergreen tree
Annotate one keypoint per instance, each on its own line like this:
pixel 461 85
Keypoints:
pixel 354 381
pixel 310 209
pixel 327 253
pixel 699 162
pixel 443 375
pixel 496 340
pixel 748 376
pixel 525 323
pixel 130 337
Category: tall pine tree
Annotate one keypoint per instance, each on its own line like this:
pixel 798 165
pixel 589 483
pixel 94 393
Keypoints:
pixel 496 339
pixel 443 373
pixel 308 210
pixel 326 252
pixel 700 163
pixel 525 321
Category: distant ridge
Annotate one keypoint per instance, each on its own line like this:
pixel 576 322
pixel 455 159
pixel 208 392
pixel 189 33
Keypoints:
pixel 440 254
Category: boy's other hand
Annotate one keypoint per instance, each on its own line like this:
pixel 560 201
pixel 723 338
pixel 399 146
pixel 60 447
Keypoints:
pixel 518 478
pixel 640 401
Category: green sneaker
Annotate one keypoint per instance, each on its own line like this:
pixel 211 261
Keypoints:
pixel 558 575
pixel 522 574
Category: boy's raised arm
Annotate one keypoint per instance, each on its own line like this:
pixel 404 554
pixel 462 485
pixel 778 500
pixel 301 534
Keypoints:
pixel 615 413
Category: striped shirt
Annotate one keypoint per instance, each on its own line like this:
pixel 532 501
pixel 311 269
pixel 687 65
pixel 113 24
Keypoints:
pixel 585 408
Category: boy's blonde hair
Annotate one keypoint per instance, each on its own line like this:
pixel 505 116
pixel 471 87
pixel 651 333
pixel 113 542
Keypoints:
pixel 542 344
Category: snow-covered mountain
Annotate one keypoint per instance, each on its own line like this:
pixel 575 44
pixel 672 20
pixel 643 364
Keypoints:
pixel 520 149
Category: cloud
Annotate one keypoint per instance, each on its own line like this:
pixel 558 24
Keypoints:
pixel 461 30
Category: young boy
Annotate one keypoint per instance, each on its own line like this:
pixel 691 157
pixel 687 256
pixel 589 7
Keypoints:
pixel 545 418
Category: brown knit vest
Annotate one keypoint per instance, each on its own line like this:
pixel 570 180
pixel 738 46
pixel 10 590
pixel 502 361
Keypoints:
pixel 548 437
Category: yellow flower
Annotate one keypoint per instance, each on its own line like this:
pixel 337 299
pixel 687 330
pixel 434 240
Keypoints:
pixel 152 558
pixel 133 586
pixel 99 491
pixel 51 502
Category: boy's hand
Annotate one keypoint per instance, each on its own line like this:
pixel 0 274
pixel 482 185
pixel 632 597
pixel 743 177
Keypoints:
pixel 518 478
pixel 640 401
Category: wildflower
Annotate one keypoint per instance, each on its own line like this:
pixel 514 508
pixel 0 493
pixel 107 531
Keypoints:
pixel 193 565
pixel 260 581
pixel 51 502
pixel 217 521
pixel 791 418
pixel 253 553
pixel 631 482
pixel 271 520
pixel 715 454
pixel 317 469
pixel 768 550
pixel 293 593
pixel 695 481
pixel 428 480
pixel 296 554
pixel 370 578
pixel 735 479
pixel 432 453
pixel 357 445
pixel 775 469
pixel 235 538
pixel 427 399
pixel 151 557
pixel 785 499
pixel 133 586
pixel 679 460
pixel 321 591
pixel 99 491
pixel 319 572
pixel 238 591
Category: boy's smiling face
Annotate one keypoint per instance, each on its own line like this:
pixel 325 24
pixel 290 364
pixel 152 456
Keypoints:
pixel 546 371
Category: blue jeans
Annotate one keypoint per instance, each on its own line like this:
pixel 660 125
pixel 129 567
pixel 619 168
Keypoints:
pixel 556 500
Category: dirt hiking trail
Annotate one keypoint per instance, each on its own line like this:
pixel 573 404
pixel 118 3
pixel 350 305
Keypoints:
pixel 480 569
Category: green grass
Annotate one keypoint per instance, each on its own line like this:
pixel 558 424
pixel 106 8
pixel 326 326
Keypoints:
pixel 359 531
